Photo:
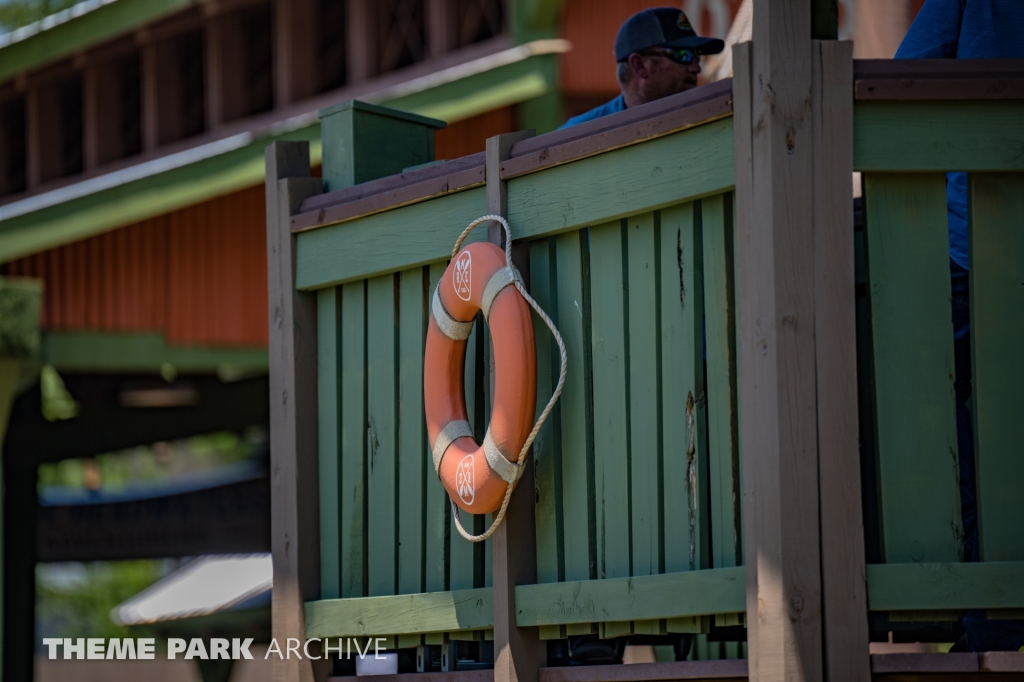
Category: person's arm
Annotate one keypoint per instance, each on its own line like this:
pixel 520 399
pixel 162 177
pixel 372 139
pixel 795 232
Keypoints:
pixel 935 31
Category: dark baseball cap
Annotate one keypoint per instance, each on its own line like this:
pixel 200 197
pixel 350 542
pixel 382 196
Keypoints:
pixel 661 27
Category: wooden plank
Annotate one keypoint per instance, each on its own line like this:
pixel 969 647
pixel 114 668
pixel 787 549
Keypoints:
pixel 576 421
pixel 412 438
pixel 723 426
pixel 931 586
pixel 381 436
pixel 997 327
pixel 938 136
pixel 683 399
pixel 437 532
pixel 678 167
pixel 405 614
pixel 915 414
pixel 778 431
pixel 406 237
pixel 329 399
pixel 844 595
pixel 622 119
pixel 676 670
pixel 547 448
pixel 611 437
pixel 674 121
pixel 644 415
pixel 354 529
pixel 688 593
pixel 933 89
pixel 916 664
pixel 473 164
pixel 386 201
pixel 518 652
pixel 295 527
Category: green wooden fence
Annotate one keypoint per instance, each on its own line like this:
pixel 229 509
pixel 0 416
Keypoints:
pixel 638 472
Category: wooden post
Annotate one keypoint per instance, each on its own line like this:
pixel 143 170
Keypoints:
pixel 775 272
pixel 150 86
pixel 361 41
pixel 518 652
pixel 363 142
pixel 295 520
pixel 806 598
pixel 844 592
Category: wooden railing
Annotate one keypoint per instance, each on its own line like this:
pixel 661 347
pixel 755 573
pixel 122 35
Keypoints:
pixel 628 226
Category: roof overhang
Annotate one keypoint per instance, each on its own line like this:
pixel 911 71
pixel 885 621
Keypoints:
pixel 161 185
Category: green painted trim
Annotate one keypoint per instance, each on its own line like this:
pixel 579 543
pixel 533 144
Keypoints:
pixel 924 587
pixel 72 36
pixel 670 595
pixel 655 174
pixel 147 197
pixel 20 301
pixel 401 614
pixel 938 135
pixel 506 85
pixel 148 352
pixel 683 166
pixel 399 239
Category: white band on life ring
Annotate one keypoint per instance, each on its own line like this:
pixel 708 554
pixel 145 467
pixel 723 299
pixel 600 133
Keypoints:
pixel 451 431
pixel 498 281
pixel 449 326
pixel 498 462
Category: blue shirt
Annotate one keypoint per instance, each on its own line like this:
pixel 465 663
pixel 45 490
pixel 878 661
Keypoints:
pixel 613 107
pixel 964 29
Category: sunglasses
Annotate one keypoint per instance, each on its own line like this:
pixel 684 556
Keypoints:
pixel 683 56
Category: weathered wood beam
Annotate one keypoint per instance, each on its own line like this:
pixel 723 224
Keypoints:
pixel 844 593
pixel 295 520
pixel 518 652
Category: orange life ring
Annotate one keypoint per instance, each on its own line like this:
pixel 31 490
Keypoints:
pixel 477 476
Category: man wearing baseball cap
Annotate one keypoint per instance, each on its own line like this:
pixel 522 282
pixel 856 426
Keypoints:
pixel 658 54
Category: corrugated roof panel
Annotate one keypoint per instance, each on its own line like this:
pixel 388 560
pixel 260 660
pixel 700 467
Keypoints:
pixel 198 275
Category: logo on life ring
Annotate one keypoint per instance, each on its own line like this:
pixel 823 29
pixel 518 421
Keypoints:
pixel 464 480
pixel 462 275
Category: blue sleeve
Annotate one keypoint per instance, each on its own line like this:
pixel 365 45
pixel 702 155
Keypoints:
pixel 935 31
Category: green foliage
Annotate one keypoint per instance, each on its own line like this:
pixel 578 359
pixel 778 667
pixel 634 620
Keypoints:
pixel 116 470
pixel 18 13
pixel 57 403
pixel 19 314
pixel 75 599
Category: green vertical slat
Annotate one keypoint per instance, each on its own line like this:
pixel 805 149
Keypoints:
pixel 328 413
pixel 353 440
pixel 577 459
pixel 741 550
pixel 723 440
pixel 412 455
pixel 462 551
pixel 380 434
pixel 682 387
pixel 912 337
pixel 642 326
pixel 547 446
pixel 611 462
pixel 437 532
pixel 997 328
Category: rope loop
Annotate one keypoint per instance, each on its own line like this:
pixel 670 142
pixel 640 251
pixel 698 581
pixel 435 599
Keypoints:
pixel 520 461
